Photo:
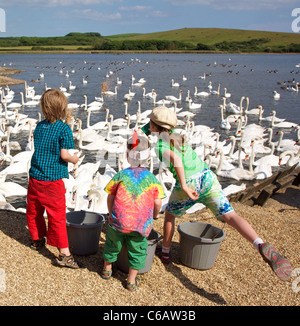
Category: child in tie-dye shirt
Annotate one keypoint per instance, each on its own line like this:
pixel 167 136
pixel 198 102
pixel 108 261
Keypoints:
pixel 134 200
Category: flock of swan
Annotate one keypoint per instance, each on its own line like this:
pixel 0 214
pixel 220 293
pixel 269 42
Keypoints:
pixel 249 153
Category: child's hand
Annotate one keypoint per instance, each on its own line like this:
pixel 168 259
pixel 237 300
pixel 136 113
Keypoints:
pixel 193 194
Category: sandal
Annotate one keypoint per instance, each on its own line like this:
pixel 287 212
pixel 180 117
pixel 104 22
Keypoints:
pixel 66 261
pixel 38 244
pixel 279 264
pixel 106 274
pixel 133 287
pixel 164 256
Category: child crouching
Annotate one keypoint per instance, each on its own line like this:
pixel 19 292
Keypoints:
pixel 134 199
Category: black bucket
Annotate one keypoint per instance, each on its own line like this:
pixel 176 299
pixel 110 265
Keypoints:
pixel 122 261
pixel 84 230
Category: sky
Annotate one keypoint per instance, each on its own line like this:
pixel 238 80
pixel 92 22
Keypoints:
pixel 110 17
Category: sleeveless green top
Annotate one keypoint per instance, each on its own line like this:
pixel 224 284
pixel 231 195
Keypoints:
pixel 191 162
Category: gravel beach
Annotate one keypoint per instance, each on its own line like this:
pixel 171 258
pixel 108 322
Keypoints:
pixel 239 277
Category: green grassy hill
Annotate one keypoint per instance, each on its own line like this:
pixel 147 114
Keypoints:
pixel 211 36
pixel 187 39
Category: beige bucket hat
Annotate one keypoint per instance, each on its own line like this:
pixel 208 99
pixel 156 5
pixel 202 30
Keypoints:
pixel 164 117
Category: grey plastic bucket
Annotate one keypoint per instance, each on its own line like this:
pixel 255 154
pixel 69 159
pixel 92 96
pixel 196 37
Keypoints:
pixel 84 230
pixel 122 261
pixel 199 244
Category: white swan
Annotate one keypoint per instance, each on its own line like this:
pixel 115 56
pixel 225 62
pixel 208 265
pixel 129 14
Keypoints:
pixel 120 122
pixel 282 124
pixel 14 105
pixel 202 94
pixel 225 124
pixel 151 95
pixel 28 103
pixel 254 111
pixel 13 145
pixel 129 96
pixel 97 200
pixel 96 145
pixel 276 95
pixel 232 107
pixel 237 173
pixel 110 93
pixel 226 94
pixel 71 86
pixel 87 134
pixel 217 92
pixel 121 131
pixel 100 125
pixel 293 159
pixel 283 145
pixel 262 171
pixel 194 106
pixel 226 162
pixel 20 167
pixel 175 84
pixel 93 106
pixel 269 159
pixel 174 98
pixel 271 118
pixel 12 189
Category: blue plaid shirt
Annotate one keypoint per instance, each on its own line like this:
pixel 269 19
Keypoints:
pixel 49 139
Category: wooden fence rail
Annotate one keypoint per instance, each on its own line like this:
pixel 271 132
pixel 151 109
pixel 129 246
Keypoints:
pixel 259 193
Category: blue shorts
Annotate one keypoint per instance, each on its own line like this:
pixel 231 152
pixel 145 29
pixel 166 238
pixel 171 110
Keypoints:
pixel 210 194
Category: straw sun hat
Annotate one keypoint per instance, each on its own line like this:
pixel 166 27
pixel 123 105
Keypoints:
pixel 164 117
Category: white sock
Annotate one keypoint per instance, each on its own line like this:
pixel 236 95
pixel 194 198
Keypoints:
pixel 165 250
pixel 257 242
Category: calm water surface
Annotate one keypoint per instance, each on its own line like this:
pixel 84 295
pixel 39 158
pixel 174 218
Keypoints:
pixel 255 76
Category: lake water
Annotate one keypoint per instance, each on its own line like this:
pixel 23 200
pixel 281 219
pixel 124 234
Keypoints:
pixel 251 75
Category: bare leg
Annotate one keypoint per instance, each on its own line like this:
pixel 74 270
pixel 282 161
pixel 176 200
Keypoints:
pixel 241 225
pixel 169 226
pixel 132 275
pixel 65 251
pixel 107 266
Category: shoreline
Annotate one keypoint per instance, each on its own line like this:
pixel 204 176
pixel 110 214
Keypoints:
pixel 91 51
pixel 5 80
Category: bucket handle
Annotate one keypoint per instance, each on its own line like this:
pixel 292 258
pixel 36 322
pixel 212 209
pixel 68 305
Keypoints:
pixel 213 238
pixel 207 228
pixel 156 240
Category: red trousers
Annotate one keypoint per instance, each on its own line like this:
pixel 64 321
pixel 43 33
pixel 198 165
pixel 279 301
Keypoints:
pixel 49 195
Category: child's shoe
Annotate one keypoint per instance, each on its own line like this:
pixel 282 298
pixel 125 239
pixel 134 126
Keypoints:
pixel 279 264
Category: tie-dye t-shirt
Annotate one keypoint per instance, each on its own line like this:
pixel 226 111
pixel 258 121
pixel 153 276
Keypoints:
pixel 135 189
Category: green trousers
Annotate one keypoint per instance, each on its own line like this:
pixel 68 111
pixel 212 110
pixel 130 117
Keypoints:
pixel 136 247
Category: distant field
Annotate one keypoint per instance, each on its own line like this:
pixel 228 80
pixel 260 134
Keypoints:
pixel 211 36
